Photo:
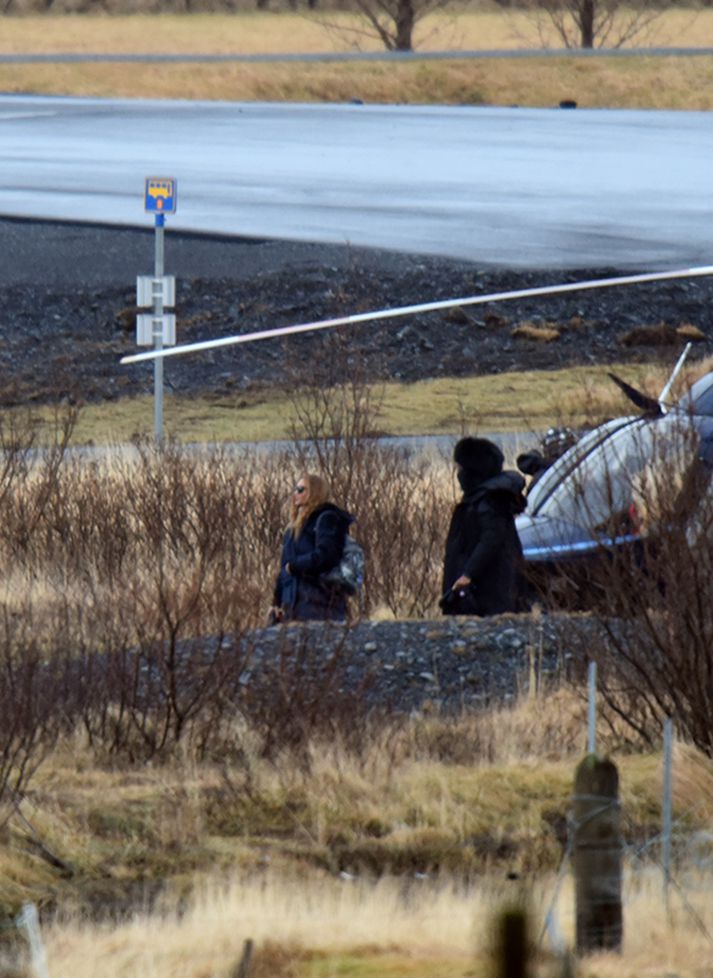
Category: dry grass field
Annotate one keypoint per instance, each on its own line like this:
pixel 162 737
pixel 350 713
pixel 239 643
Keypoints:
pixel 643 82
pixel 526 401
pixel 308 923
pixel 322 928
pixel 255 32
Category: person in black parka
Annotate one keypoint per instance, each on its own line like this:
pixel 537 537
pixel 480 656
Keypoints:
pixel 482 572
pixel 313 544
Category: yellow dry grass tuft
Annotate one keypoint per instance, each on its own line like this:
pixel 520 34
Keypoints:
pixel 659 334
pixel 540 334
pixel 690 332
pixel 317 926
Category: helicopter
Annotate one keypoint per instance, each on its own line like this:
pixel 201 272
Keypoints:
pixel 596 498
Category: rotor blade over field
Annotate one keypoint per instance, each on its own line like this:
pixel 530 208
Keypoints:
pixel 366 317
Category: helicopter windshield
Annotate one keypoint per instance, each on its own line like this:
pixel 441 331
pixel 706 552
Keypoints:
pixel 606 480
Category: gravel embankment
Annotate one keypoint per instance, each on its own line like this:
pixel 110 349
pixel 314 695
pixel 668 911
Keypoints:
pixel 452 663
pixel 68 296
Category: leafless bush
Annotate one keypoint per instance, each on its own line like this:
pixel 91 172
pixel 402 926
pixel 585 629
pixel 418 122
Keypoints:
pixel 145 554
pixel 29 480
pixel 400 504
pixel 16 444
pixel 202 531
pixel 403 512
pixel 593 23
pixel 209 522
pixel 161 559
pixel 654 597
pixel 147 699
pixel 38 696
pixel 305 694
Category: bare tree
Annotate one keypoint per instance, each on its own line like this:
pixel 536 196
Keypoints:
pixel 594 23
pixel 392 22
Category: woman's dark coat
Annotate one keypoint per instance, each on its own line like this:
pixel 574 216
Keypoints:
pixel 303 594
pixel 483 545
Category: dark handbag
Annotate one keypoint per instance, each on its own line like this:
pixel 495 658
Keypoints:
pixel 447 602
pixel 460 602
pixel 348 575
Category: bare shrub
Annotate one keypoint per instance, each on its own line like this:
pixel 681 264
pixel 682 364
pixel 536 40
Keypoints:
pixel 655 596
pixel 403 513
pixel 153 564
pixel 16 444
pixel 303 695
pixel 39 698
pixel 146 554
pixel 594 23
pixel 203 525
pixel 29 481
pixel 202 532
pixel 147 699
pixel 391 22
pixel 400 503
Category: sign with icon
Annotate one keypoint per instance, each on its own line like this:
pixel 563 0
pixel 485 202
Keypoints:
pixel 160 197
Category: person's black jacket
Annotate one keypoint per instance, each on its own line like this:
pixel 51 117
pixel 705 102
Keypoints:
pixel 302 594
pixel 483 545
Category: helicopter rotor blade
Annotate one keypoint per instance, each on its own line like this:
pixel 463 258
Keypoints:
pixel 649 405
pixel 424 307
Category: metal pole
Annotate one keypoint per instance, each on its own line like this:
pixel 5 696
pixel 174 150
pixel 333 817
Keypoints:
pixel 667 805
pixel 592 709
pixel 158 329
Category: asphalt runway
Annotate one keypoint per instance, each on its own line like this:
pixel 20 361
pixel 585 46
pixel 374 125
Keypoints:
pixel 510 188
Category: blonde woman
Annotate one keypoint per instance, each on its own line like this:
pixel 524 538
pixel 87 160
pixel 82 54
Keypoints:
pixel 312 546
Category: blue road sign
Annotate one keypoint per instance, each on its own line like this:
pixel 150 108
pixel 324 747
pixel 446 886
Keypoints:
pixel 160 195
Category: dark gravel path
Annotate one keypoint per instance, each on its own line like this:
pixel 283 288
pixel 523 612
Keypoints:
pixel 68 314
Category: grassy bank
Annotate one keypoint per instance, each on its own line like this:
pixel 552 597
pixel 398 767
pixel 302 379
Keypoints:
pixel 674 83
pixel 456 806
pixel 527 401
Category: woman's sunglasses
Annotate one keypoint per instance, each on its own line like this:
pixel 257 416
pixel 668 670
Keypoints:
pixel 299 489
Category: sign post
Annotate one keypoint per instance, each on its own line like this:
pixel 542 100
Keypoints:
pixel 157 327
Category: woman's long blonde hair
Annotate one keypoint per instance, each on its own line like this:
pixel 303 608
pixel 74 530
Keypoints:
pixel 318 494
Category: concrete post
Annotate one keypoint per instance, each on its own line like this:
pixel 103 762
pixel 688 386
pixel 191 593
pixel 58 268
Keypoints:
pixel 596 856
